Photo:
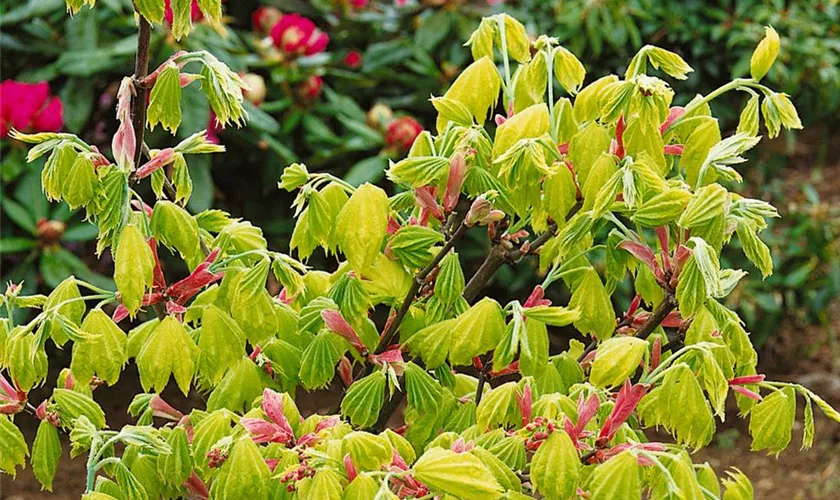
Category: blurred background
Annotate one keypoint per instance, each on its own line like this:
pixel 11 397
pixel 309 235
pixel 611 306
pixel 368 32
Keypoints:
pixel 343 86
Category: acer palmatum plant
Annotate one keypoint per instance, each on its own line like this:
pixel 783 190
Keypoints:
pixel 613 158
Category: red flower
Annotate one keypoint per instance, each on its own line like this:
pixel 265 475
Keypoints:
pixel 353 59
pixel 402 132
pixel 29 107
pixel 311 87
pixel 297 35
pixel 358 4
pixel 195 12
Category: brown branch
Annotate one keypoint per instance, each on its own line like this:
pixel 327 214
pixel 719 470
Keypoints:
pixel 668 304
pixel 141 69
pixel 499 255
pixel 419 279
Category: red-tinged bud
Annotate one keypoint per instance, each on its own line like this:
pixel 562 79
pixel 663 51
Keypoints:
pixel 398 461
pixel 664 244
pixel 345 371
pixel 266 432
pixel 500 120
pixel 747 379
pixel 353 59
pixel 175 309
pixel 402 132
pixel 536 296
pixel 617 146
pixel 586 410
pixel 477 363
pixel 644 254
pixel 98 159
pixel 743 391
pixel 515 237
pixel 673 114
pixel 457 172
pixel 672 320
pixel 626 401
pixel 350 468
pixel 185 289
pixel 563 149
pixel 656 353
pixel 634 306
pixel 426 197
pixel 525 401
pixel 124 144
pixel 392 355
pixel 159 282
pixel 49 232
pixel 272 405
pixel 217 457
pixel 508 370
pixel 185 79
pixel 196 487
pixel 327 423
pixel 510 109
pixel 674 149
pixel 255 91
pixel 120 313
pixel 162 409
pixel 479 210
pixel 460 446
pixel 393 225
pixel 163 158
pixel 142 207
pixel 311 88
pixel 337 324
pixel 255 353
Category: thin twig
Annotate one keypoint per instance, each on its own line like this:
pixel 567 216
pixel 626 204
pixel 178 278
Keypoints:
pixel 500 254
pixel 419 279
pixel 141 69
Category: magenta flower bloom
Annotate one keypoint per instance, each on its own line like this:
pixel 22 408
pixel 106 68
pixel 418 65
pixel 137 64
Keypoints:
pixel 28 107
pixel 297 35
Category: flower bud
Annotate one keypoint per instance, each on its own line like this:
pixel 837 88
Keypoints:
pixel 402 132
pixel 379 115
pixel 255 92
pixel 311 87
pixel 353 59
pixel 264 18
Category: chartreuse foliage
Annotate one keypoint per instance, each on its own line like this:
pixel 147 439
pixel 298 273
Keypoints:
pixel 610 157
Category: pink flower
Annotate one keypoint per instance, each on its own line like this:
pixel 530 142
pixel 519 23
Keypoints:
pixel 353 59
pixel 297 35
pixel 358 4
pixel 28 107
pixel 402 132
pixel 311 87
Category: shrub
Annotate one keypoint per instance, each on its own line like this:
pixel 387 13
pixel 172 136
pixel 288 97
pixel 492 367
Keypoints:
pixel 612 158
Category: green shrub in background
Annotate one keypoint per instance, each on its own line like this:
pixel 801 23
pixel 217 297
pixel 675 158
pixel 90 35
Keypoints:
pixel 335 107
pixel 610 166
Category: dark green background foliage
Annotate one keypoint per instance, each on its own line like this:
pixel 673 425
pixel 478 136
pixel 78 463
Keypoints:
pixel 409 54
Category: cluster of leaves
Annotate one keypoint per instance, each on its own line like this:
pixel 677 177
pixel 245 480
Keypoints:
pixel 611 156
pixel 718 35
